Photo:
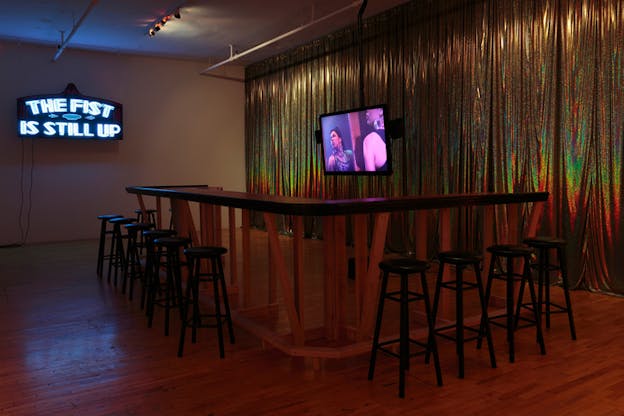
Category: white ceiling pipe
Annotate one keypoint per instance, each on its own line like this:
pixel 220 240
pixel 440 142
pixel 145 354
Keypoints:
pixel 63 45
pixel 236 56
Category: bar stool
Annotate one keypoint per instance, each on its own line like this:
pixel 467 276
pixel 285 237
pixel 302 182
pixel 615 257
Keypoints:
pixel 194 257
pixel 150 215
pixel 151 262
pixel 116 257
pixel 167 294
pixel 133 269
pixel 544 267
pixel 404 267
pixel 461 260
pixel 104 231
pixel 509 253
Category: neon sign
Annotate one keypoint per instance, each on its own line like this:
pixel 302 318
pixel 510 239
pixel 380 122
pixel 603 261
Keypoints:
pixel 69 115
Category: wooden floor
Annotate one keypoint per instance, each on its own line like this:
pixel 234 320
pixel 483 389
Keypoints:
pixel 73 345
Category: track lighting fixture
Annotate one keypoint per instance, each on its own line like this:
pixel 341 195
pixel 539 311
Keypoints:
pixel 160 22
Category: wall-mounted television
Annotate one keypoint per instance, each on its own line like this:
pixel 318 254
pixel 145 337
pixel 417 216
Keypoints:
pixel 354 142
pixel 69 115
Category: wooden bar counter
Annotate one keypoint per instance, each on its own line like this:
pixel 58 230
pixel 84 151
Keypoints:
pixel 342 340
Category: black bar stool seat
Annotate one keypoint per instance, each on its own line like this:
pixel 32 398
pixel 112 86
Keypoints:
pixel 462 260
pixel 197 319
pixel 404 267
pixel 502 268
pixel 544 266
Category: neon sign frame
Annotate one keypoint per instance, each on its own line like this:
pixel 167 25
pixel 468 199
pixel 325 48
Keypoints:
pixel 69 115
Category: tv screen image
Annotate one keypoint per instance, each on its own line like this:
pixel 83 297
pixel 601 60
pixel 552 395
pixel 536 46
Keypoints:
pixel 354 142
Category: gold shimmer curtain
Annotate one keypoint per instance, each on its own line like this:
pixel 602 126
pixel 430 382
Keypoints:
pixel 496 95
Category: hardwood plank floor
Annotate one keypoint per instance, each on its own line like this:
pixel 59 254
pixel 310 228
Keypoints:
pixel 74 345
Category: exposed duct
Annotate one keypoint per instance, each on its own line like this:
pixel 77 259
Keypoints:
pixel 64 43
pixel 234 56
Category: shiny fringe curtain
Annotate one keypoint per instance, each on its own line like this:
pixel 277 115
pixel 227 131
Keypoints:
pixel 495 96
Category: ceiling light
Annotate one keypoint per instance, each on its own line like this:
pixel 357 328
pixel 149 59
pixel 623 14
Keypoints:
pixel 159 23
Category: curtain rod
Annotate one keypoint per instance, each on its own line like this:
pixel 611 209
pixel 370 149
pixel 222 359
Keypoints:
pixel 235 56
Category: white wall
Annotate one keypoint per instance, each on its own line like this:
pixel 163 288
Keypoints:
pixel 179 127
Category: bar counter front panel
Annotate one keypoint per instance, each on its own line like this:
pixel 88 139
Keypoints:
pixel 342 340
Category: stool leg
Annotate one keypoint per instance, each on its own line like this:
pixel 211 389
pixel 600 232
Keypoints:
pixel 510 315
pixel 154 286
pixel 196 322
pixel 519 303
pixel 177 280
pixel 432 344
pixel 226 301
pixel 184 305
pixel 100 259
pixel 486 302
pixel 380 308
pixel 151 218
pixel 144 278
pixel 436 300
pixel 564 278
pixel 403 335
pixel 169 290
pixel 128 267
pixel 544 285
pixel 459 319
pixel 147 275
pixel 136 269
pixel 119 256
pixel 536 314
pixel 484 316
pixel 111 255
pixel 217 301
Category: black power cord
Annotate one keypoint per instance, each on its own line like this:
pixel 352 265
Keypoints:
pixel 24 228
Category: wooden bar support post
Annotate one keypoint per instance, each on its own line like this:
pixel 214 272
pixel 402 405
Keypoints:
pixel 277 257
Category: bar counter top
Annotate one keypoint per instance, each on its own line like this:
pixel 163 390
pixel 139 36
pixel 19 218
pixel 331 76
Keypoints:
pixel 325 207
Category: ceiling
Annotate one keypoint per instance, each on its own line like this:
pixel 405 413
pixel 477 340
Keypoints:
pixel 204 31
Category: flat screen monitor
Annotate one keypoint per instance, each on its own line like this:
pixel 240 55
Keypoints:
pixel 354 142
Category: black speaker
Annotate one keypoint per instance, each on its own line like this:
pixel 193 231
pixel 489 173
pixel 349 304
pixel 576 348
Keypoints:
pixel 395 128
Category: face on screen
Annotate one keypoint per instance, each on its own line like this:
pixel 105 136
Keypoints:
pixel 374 118
pixel 336 140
